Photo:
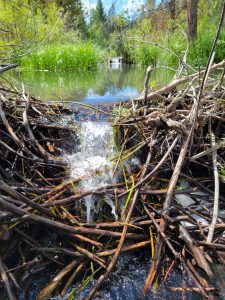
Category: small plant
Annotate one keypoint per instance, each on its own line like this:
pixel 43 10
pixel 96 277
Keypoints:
pixel 222 173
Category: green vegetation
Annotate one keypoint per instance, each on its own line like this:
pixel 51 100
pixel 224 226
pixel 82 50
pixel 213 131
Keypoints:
pixel 63 57
pixel 172 52
pixel 58 34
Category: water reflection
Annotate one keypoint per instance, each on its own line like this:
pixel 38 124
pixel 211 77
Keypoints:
pixel 107 84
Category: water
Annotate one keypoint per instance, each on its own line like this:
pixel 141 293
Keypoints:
pixel 110 83
pixel 92 161
pixel 127 280
pixel 115 62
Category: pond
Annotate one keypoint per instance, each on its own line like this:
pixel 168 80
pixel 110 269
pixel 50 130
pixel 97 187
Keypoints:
pixel 108 84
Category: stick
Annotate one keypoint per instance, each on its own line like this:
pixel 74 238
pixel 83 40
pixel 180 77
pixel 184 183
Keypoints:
pixel 147 77
pixel 6 281
pixel 120 245
pixel 216 194
pixel 7 68
pixel 47 291
pixel 176 82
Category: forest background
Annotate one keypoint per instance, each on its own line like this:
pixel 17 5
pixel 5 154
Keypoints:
pixel 56 34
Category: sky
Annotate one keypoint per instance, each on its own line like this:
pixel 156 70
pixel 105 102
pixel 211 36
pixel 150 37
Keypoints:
pixel 130 5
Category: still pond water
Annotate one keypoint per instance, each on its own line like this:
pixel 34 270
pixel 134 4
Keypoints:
pixel 110 83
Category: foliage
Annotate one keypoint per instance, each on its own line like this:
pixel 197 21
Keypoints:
pixel 98 14
pixel 144 54
pixel 200 49
pixel 23 23
pixel 63 57
pixel 74 15
pixel 26 25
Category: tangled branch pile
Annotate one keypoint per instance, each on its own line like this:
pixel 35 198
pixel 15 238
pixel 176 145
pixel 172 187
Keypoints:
pixel 178 133
pixel 182 130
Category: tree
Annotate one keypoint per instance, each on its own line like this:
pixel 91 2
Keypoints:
pixel 98 28
pixel 98 14
pixel 74 15
pixel 192 17
pixel 172 9
pixel 112 10
pixel 111 17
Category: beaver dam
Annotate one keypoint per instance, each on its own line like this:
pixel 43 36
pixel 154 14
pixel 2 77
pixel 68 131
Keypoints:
pixel 80 187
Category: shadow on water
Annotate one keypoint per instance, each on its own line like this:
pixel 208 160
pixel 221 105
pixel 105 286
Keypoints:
pixel 105 85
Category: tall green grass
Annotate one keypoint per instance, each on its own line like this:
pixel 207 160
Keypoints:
pixel 199 50
pixel 148 54
pixel 63 57
pixel 145 54
pixel 86 56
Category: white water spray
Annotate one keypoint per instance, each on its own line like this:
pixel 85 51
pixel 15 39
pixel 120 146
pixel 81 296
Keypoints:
pixel 93 162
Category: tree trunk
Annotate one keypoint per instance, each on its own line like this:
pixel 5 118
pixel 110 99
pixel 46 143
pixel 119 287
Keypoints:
pixel 192 16
pixel 172 9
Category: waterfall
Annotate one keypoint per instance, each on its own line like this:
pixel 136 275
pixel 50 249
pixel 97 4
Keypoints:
pixel 116 60
pixel 92 160
pixel 115 63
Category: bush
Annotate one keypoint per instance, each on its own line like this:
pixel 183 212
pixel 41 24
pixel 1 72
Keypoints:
pixel 143 54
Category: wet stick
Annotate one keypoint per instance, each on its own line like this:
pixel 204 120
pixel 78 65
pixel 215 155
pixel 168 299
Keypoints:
pixel 177 256
pixel 5 280
pixel 123 236
pixel 216 192
pixel 72 278
pixel 47 291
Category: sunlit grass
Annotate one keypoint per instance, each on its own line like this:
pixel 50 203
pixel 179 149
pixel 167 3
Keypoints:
pixel 170 50
pixel 63 57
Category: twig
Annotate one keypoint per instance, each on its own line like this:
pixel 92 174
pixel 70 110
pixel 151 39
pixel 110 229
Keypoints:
pixel 216 193
pixel 6 281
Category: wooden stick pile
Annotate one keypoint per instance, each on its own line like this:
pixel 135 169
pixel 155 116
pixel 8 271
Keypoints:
pixel 173 203
pixel 182 133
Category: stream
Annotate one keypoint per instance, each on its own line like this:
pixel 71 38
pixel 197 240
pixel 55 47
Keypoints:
pixel 91 158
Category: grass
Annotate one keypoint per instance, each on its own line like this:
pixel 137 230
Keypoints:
pixel 86 56
pixel 148 54
pixel 200 49
pixel 63 57
pixel 145 54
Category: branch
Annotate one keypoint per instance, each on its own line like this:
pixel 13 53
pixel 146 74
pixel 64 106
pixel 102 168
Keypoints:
pixel 9 67
pixel 216 194
pixel 176 82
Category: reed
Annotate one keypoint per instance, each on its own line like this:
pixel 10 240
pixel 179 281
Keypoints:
pixel 63 57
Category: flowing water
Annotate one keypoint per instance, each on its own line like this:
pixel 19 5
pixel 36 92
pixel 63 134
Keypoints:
pixel 92 161
pixel 127 279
